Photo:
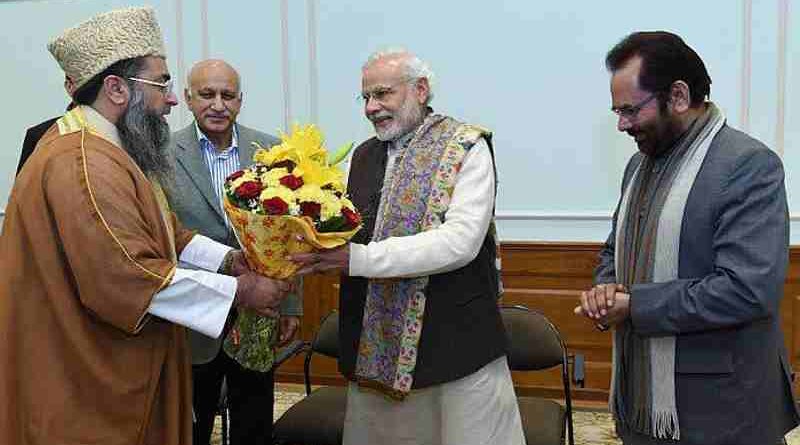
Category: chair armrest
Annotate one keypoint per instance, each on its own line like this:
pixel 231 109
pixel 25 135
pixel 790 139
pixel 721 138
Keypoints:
pixel 578 369
pixel 292 349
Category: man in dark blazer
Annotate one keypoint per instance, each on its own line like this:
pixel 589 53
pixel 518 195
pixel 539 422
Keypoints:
pixel 33 134
pixel 691 276
pixel 32 137
pixel 206 152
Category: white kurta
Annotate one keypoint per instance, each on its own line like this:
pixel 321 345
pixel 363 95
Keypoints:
pixel 451 245
pixel 479 409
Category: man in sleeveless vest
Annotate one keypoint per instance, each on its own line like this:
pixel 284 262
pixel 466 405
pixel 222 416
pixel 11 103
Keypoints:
pixel 421 337
pixel 691 276
pixel 93 300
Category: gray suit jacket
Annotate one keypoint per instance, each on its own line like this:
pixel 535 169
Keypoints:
pixel 732 376
pixel 192 198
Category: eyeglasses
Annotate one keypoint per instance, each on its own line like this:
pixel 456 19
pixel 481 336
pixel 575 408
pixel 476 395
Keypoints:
pixel 630 112
pixel 165 87
pixel 382 92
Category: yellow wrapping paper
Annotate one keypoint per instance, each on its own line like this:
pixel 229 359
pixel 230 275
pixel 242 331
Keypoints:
pixel 268 240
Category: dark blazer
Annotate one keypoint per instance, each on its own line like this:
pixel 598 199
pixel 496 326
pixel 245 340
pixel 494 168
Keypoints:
pixel 732 374
pixel 191 196
pixel 32 137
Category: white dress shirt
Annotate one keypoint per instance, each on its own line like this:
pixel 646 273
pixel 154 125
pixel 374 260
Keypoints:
pixel 221 163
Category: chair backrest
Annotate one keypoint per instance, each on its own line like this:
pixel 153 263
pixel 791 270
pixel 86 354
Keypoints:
pixel 326 341
pixel 534 343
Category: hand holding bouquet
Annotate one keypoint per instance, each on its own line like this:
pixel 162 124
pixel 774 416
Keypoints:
pixel 291 189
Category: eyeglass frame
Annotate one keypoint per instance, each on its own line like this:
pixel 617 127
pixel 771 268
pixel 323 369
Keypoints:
pixel 631 112
pixel 383 90
pixel 166 87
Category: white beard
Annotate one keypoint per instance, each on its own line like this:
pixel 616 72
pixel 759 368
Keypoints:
pixel 407 118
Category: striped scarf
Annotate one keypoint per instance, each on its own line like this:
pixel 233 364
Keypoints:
pixel 647 251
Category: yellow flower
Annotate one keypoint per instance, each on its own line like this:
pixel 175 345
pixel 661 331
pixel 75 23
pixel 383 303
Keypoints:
pixel 310 170
pixel 310 193
pixel 303 146
pixel 331 206
pixel 347 203
pixel 247 176
pixel 332 176
pixel 275 154
pixel 271 178
pixel 306 142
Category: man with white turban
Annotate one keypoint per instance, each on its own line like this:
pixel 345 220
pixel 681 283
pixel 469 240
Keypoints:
pixel 98 278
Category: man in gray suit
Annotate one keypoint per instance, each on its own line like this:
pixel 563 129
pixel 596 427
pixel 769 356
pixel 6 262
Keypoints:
pixel 207 151
pixel 691 277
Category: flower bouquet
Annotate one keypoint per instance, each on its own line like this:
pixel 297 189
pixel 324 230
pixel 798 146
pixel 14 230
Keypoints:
pixel 291 189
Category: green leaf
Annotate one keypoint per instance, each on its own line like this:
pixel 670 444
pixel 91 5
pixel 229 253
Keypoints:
pixel 340 153
pixel 335 224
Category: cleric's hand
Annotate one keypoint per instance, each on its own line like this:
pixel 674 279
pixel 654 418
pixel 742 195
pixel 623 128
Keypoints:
pixel 287 329
pixel 239 264
pixel 261 294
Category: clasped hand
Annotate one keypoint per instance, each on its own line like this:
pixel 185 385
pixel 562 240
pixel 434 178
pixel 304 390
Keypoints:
pixel 605 305
pixel 255 292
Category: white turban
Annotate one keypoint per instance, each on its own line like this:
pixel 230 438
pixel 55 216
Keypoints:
pixel 84 51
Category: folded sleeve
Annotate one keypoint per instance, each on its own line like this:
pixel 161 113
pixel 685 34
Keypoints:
pixel 204 253
pixel 196 299
pixel 115 242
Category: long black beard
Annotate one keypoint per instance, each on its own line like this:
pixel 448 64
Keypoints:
pixel 145 136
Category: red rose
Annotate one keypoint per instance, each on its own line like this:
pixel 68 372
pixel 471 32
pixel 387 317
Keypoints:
pixel 235 175
pixel 275 206
pixel 292 182
pixel 248 190
pixel 310 209
pixel 351 218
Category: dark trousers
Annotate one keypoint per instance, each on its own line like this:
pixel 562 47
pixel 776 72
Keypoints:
pixel 250 401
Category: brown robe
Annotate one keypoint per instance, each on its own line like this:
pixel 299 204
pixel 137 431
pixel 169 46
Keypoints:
pixel 83 250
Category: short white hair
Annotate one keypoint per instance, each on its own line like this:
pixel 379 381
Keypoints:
pixel 413 67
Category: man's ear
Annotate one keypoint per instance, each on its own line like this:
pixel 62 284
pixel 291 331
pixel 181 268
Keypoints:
pixel 187 95
pixel 422 88
pixel 680 97
pixel 116 90
pixel 69 86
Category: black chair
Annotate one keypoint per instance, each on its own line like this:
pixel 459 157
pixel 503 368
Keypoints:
pixel 283 354
pixel 535 344
pixel 319 418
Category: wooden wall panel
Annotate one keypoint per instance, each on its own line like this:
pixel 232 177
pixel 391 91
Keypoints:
pixel 547 277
